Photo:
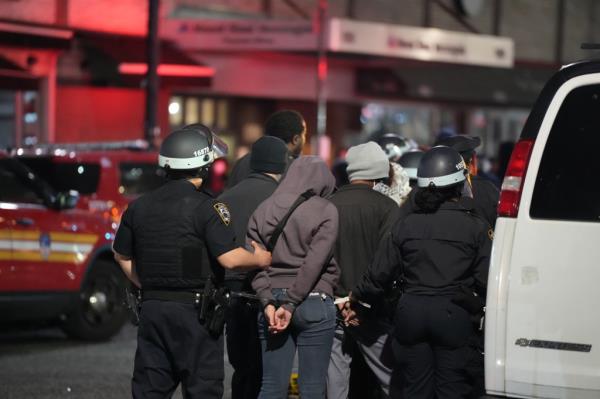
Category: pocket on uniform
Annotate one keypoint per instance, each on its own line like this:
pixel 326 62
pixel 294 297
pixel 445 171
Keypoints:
pixel 311 310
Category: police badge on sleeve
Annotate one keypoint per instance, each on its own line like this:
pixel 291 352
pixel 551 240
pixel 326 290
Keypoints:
pixel 223 212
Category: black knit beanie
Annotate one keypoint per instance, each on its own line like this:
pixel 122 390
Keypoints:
pixel 269 155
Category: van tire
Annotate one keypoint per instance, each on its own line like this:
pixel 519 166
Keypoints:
pixel 100 311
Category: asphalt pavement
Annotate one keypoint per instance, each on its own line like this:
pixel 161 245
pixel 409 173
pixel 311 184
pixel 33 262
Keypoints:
pixel 44 363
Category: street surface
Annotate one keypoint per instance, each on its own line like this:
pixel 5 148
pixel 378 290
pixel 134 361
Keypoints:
pixel 46 364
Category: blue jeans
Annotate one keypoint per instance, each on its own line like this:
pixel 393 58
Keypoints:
pixel 311 332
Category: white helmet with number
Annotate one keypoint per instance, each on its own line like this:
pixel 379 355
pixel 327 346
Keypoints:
pixel 191 147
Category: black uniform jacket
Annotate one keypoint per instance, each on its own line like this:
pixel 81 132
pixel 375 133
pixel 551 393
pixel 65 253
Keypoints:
pixel 242 200
pixel 436 254
pixel 486 197
pixel 174 235
pixel 365 218
pixel 485 200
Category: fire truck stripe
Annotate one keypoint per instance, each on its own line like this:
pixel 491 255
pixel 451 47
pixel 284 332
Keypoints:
pixel 5 255
pixel 5 244
pixel 54 236
pixel 54 247
pixel 74 237
pixel 52 257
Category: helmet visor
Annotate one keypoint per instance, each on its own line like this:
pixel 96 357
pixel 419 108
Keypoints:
pixel 220 149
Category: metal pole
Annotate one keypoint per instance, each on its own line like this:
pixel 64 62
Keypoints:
pixel 427 14
pixel 151 129
pixel 497 17
pixel 321 76
pixel 560 30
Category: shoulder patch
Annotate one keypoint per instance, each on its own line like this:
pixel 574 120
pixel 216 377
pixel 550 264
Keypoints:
pixel 223 212
pixel 491 234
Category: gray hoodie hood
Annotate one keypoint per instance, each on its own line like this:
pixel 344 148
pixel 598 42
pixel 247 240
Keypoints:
pixel 302 256
pixel 307 172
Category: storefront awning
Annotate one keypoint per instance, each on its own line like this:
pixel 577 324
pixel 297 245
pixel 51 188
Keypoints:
pixel 34 36
pixel 121 60
pixel 519 86
pixel 13 77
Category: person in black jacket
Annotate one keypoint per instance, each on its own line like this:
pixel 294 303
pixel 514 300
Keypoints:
pixel 268 161
pixel 442 250
pixel 287 125
pixel 173 243
pixel 365 218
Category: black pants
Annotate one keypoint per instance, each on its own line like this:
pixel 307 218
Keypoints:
pixel 173 347
pixel 475 367
pixel 430 347
pixel 243 349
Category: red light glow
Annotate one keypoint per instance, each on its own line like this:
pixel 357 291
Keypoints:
pixel 168 70
pixel 220 167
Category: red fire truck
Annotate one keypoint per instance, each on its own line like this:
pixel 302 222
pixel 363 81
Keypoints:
pixel 55 259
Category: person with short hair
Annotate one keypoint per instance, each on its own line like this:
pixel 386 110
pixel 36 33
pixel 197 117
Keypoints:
pixel 366 217
pixel 289 126
pixel 268 161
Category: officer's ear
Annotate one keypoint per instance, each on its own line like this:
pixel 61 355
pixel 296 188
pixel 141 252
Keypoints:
pixel 202 173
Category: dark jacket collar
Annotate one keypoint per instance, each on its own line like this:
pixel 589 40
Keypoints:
pixel 351 186
pixel 463 204
pixel 261 176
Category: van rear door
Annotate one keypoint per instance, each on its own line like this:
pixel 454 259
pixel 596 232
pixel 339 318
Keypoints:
pixel 552 316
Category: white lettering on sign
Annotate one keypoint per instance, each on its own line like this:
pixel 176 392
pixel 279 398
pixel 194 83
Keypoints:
pixel 344 36
pixel 426 44
pixel 241 35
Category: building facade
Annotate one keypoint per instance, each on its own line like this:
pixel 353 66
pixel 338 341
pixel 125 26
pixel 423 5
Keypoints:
pixel 70 87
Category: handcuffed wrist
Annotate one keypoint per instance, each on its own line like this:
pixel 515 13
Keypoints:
pixel 267 302
pixel 289 306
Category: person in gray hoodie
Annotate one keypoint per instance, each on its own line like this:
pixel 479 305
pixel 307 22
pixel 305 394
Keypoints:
pixel 297 290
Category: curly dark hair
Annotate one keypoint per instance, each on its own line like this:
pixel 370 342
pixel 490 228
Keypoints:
pixel 284 124
pixel 429 199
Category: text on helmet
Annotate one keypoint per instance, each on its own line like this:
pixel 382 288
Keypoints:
pixel 199 153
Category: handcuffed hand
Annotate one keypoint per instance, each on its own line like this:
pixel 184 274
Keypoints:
pixel 283 317
pixel 278 319
pixel 270 315
pixel 350 318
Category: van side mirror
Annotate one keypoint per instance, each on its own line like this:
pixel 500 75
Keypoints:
pixel 66 200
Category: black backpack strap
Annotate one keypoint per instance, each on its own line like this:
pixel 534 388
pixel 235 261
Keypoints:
pixel 279 228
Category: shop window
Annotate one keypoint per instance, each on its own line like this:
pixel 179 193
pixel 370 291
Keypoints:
pixel 31 118
pixel 176 111
pixel 208 112
pixel 222 114
pixel 186 110
pixel 7 118
pixel 191 110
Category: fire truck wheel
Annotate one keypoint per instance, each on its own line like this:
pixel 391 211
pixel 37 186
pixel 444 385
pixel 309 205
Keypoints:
pixel 100 311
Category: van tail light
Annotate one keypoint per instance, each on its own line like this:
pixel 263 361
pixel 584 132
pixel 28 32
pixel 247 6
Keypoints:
pixel 512 186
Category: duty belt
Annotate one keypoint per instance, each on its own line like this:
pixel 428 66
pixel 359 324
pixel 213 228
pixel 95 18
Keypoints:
pixel 189 297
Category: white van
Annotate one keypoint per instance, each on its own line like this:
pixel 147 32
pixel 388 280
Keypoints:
pixel 542 330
